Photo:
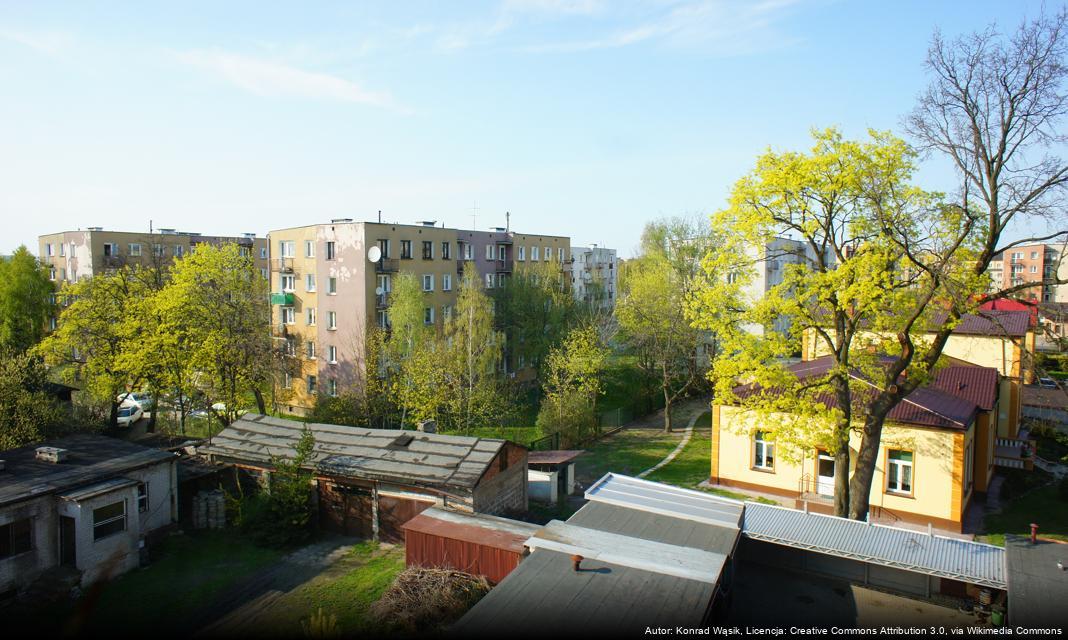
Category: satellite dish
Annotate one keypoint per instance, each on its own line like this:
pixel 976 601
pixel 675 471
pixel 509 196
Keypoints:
pixel 374 254
pixel 379 291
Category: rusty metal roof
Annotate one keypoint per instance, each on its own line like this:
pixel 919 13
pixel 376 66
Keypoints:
pixel 559 456
pixel 429 459
pixel 977 384
pixel 476 528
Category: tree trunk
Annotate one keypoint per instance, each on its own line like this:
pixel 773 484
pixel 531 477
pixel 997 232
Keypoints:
pixel 151 428
pixel 113 416
pixel 667 402
pixel 261 404
pixel 842 490
pixel 860 484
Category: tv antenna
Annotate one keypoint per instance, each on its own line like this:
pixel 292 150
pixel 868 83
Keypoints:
pixel 474 214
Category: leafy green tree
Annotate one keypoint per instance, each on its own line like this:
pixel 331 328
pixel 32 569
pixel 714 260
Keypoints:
pixel 26 301
pixel 28 413
pixel 282 515
pixel 409 338
pixel 572 385
pixel 534 311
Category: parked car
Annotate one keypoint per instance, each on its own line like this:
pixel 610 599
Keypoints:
pixel 221 408
pixel 129 413
pixel 142 399
pixel 1047 383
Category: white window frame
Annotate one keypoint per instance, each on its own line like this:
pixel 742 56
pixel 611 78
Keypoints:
pixel 763 449
pixel 333 388
pixel 331 317
pixel 428 282
pixel 121 517
pixel 309 316
pixel 309 282
pixel 143 501
pixel 134 249
pixel 446 282
pixel 428 315
pixel 534 254
pixel 489 280
pixel 288 282
pixel 489 252
pixel 309 350
pixel 522 254
pixel 312 384
pixel 289 315
pixel 332 354
pixel 331 286
pixel 287 249
pixel 309 248
pixel 469 251
pixel 893 486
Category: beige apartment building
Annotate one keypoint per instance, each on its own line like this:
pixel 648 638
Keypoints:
pixel 73 255
pixel 1037 263
pixel 331 281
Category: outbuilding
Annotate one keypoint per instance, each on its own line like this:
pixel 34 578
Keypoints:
pixel 551 475
pixel 474 543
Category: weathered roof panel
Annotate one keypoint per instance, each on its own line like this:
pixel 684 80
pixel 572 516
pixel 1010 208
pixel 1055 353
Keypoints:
pixel 1038 588
pixel 667 500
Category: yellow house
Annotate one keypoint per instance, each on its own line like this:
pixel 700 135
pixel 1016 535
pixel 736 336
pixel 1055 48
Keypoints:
pixel 936 453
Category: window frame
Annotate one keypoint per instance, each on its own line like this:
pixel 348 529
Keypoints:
pixel 9 528
pixel 761 442
pixel 143 500
pixel 109 521
pixel 911 464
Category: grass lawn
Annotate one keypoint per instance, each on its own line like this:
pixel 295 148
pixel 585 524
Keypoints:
pixel 628 452
pixel 1042 506
pixel 345 591
pixel 522 435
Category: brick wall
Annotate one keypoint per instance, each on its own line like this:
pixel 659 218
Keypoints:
pixel 503 492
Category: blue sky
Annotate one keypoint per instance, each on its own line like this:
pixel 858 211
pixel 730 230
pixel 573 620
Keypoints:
pixel 580 117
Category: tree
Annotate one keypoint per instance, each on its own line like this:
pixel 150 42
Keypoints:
pixel 572 385
pixel 281 516
pixel 28 413
pixel 409 337
pixel 651 309
pixel 26 301
pixel 534 311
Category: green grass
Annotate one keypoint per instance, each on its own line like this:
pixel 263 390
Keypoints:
pixel 1053 447
pixel 522 435
pixel 693 463
pixel 1042 506
pixel 628 452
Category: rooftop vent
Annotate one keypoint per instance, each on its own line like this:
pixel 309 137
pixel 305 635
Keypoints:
pixel 168 232
pixel 95 228
pixel 55 455
pixel 428 223
pixel 403 440
pixel 501 229
pixel 249 235
pixel 336 220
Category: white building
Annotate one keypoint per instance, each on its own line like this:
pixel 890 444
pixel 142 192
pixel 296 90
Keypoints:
pixel 769 266
pixel 594 273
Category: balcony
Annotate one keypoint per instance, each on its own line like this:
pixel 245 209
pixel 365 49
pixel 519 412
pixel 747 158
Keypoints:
pixel 503 266
pixel 113 262
pixel 285 298
pixel 387 265
pixel 282 265
pixel 1015 453
pixel 381 300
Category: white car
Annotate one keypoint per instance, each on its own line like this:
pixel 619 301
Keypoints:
pixel 129 413
pixel 140 398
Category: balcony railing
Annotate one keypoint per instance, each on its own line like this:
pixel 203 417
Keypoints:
pixel 1015 453
pixel 382 300
pixel 503 266
pixel 283 298
pixel 113 262
pixel 283 265
pixel 387 265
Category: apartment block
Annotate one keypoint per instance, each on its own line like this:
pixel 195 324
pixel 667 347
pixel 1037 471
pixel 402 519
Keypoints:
pixel 73 255
pixel 594 275
pixel 1038 263
pixel 332 281
pixel 769 266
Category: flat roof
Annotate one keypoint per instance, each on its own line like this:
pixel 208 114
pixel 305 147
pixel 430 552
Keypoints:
pixel 98 489
pixel 90 459
pixel 476 528
pixel 646 525
pixel 553 457
pixel 426 459
pixel 1038 588
pixel 973 562
pixel 654 497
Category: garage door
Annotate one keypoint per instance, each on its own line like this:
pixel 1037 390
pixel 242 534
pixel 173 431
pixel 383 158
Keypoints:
pixel 345 509
pixel 393 512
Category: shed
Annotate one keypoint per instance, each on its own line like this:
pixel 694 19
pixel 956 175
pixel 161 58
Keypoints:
pixel 478 544
pixel 371 481
pixel 551 474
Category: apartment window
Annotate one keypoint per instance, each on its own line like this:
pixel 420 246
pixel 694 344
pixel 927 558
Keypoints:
pixel 489 280
pixel 309 248
pixel 428 282
pixel 428 315
pixel 72 249
pixel 469 251
pixel 331 320
pixel 428 250
pixel 383 244
pixel 385 283
pixel 406 249
pixel 109 519
pixel 16 537
pixel 243 252
pixel 502 252
pixel 263 253
pixel 547 254
pixel 61 249
pixel 383 319
pixel 1034 268
pixel 158 250
pixel 331 286
pixel 291 347
pixel 446 282
pixel 312 385
pixel 332 351
pixel 52 273
pixel 1034 255
pixel 309 350
pixel 899 471
pixel 48 249
pixel 501 279
pixel 179 250
pixel 763 451
pixel 333 387
pixel 286 248
pixel 533 253
pixel 266 274
pixel 309 282
pixel 142 497
pixel 53 323
pixel 309 316
pixel 331 250
pixel 288 315
pixel 489 252
pixel 287 381
pixel 135 249
pixel 522 254
pixel 446 250
pixel 560 254
pixel 446 312
pixel 289 282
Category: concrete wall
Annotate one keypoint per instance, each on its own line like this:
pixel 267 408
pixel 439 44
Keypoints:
pixel 113 554
pixel 541 485
pixel 503 492
pixel 16 572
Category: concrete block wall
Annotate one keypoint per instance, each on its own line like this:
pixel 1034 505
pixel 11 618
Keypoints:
pixel 17 572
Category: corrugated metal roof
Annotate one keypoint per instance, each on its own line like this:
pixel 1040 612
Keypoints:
pixel 940 556
pixel 477 528
pixel 655 497
pixel 654 526
pixel 977 384
pixel 429 459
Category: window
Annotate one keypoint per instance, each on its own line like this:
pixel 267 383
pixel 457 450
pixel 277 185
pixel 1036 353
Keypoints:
pixel 286 248
pixel 309 282
pixel 763 451
pixel 446 250
pixel 489 280
pixel 158 250
pixel 142 497
pixel 1034 268
pixel 469 251
pixel 48 249
pixel 1034 255
pixel 71 250
pixel 288 315
pixel 312 387
pixel 52 273
pixel 547 254
pixel 522 254
pixel 16 537
pixel 333 387
pixel 385 283
pixel 111 249
pixel 289 282
pixel 428 250
pixel 331 250
pixel 428 282
pixel 263 252
pixel 502 252
pixel 899 471
pixel 309 316
pixel 383 319
pixel 560 254
pixel 406 249
pixel 332 350
pixel 309 248
pixel 287 381
pixel 446 282
pixel 266 274
pixel 309 349
pixel 533 253
pixel 383 244
pixel 489 252
pixel 291 347
pixel 179 250
pixel 135 249
pixel 331 286
pixel 446 312
pixel 428 315
pixel 331 320
pixel 109 519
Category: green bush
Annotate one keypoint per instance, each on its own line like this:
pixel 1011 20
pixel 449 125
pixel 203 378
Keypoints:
pixel 1062 489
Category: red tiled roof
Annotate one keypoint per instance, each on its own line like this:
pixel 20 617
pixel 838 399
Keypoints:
pixel 993 323
pixel 978 384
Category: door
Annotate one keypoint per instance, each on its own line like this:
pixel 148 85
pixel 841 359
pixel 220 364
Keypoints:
pixel 345 509
pixel 67 538
pixel 393 512
pixel 824 473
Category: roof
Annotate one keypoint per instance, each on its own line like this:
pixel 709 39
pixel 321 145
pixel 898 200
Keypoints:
pixel 428 459
pixel 476 528
pixel 976 384
pixel 940 556
pixel 90 459
pixel 994 323
pixel 98 489
pixel 553 457
pixel 1038 589
pixel 654 497
pixel 544 595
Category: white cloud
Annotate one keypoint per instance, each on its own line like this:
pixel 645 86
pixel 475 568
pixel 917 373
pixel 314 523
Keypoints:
pixel 267 78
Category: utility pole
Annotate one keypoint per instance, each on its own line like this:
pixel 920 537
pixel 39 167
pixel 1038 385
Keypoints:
pixel 474 214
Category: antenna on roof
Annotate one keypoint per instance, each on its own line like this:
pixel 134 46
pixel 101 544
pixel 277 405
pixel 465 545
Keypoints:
pixel 379 216
pixel 507 221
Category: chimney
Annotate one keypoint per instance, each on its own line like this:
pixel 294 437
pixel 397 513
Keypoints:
pixel 576 560
pixel 54 455
pixel 428 426
pixel 1034 533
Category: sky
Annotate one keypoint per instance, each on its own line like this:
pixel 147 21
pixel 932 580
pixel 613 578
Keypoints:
pixel 583 118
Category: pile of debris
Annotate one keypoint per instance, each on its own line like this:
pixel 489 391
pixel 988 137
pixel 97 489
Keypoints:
pixel 427 599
